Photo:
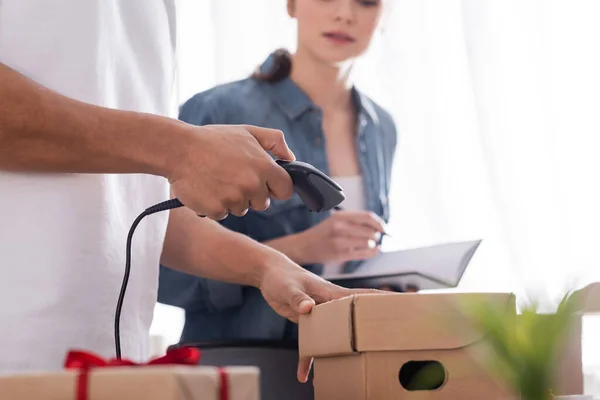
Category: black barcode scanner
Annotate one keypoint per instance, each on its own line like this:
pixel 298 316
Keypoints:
pixel 318 191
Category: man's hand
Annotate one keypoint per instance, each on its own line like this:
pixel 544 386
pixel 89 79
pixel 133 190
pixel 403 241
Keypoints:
pixel 293 291
pixel 226 169
pixel 202 247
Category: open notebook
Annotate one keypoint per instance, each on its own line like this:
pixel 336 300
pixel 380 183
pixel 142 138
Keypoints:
pixel 435 267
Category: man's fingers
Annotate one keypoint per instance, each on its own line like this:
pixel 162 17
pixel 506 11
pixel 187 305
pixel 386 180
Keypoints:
pixel 235 203
pixel 342 292
pixel 260 203
pixel 304 366
pixel 217 216
pixel 301 303
pixel 273 141
pixel 238 209
pixel 216 212
pixel 278 180
pixel 335 292
pixel 280 183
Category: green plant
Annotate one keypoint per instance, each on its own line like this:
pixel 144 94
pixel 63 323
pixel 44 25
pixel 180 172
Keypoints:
pixel 524 351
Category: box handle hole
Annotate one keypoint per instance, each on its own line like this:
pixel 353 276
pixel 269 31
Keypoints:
pixel 422 375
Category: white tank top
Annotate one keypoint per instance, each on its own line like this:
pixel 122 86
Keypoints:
pixel 355 201
pixel 62 237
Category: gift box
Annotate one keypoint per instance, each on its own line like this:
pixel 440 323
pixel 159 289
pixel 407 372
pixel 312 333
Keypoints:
pixel 401 346
pixel 90 378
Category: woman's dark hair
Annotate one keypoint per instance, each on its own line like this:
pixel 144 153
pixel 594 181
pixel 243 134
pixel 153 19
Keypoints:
pixel 279 67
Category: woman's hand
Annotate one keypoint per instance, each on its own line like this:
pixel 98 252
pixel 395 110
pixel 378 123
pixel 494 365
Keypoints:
pixel 345 236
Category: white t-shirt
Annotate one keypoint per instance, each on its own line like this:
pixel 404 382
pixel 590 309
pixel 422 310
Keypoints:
pixel 62 236
pixel 355 201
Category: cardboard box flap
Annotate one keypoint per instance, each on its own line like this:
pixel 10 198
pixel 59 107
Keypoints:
pixel 389 322
pixel 327 330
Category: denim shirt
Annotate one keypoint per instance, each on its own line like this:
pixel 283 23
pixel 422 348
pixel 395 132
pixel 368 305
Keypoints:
pixel 223 311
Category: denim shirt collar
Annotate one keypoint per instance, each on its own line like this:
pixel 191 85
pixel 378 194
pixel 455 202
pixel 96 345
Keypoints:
pixel 295 102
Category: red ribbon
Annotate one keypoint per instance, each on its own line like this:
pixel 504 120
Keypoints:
pixel 85 361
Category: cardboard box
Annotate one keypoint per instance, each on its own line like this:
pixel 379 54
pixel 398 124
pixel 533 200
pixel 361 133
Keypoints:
pixel 570 378
pixel 369 347
pixel 135 383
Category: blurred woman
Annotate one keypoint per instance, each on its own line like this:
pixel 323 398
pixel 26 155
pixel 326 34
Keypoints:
pixel 328 123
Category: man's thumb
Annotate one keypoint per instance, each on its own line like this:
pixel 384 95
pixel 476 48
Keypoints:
pixel 273 141
pixel 301 303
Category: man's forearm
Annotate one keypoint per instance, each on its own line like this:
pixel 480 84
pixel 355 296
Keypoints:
pixel 43 131
pixel 202 247
pixel 291 245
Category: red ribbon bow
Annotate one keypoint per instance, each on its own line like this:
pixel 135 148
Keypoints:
pixel 85 361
